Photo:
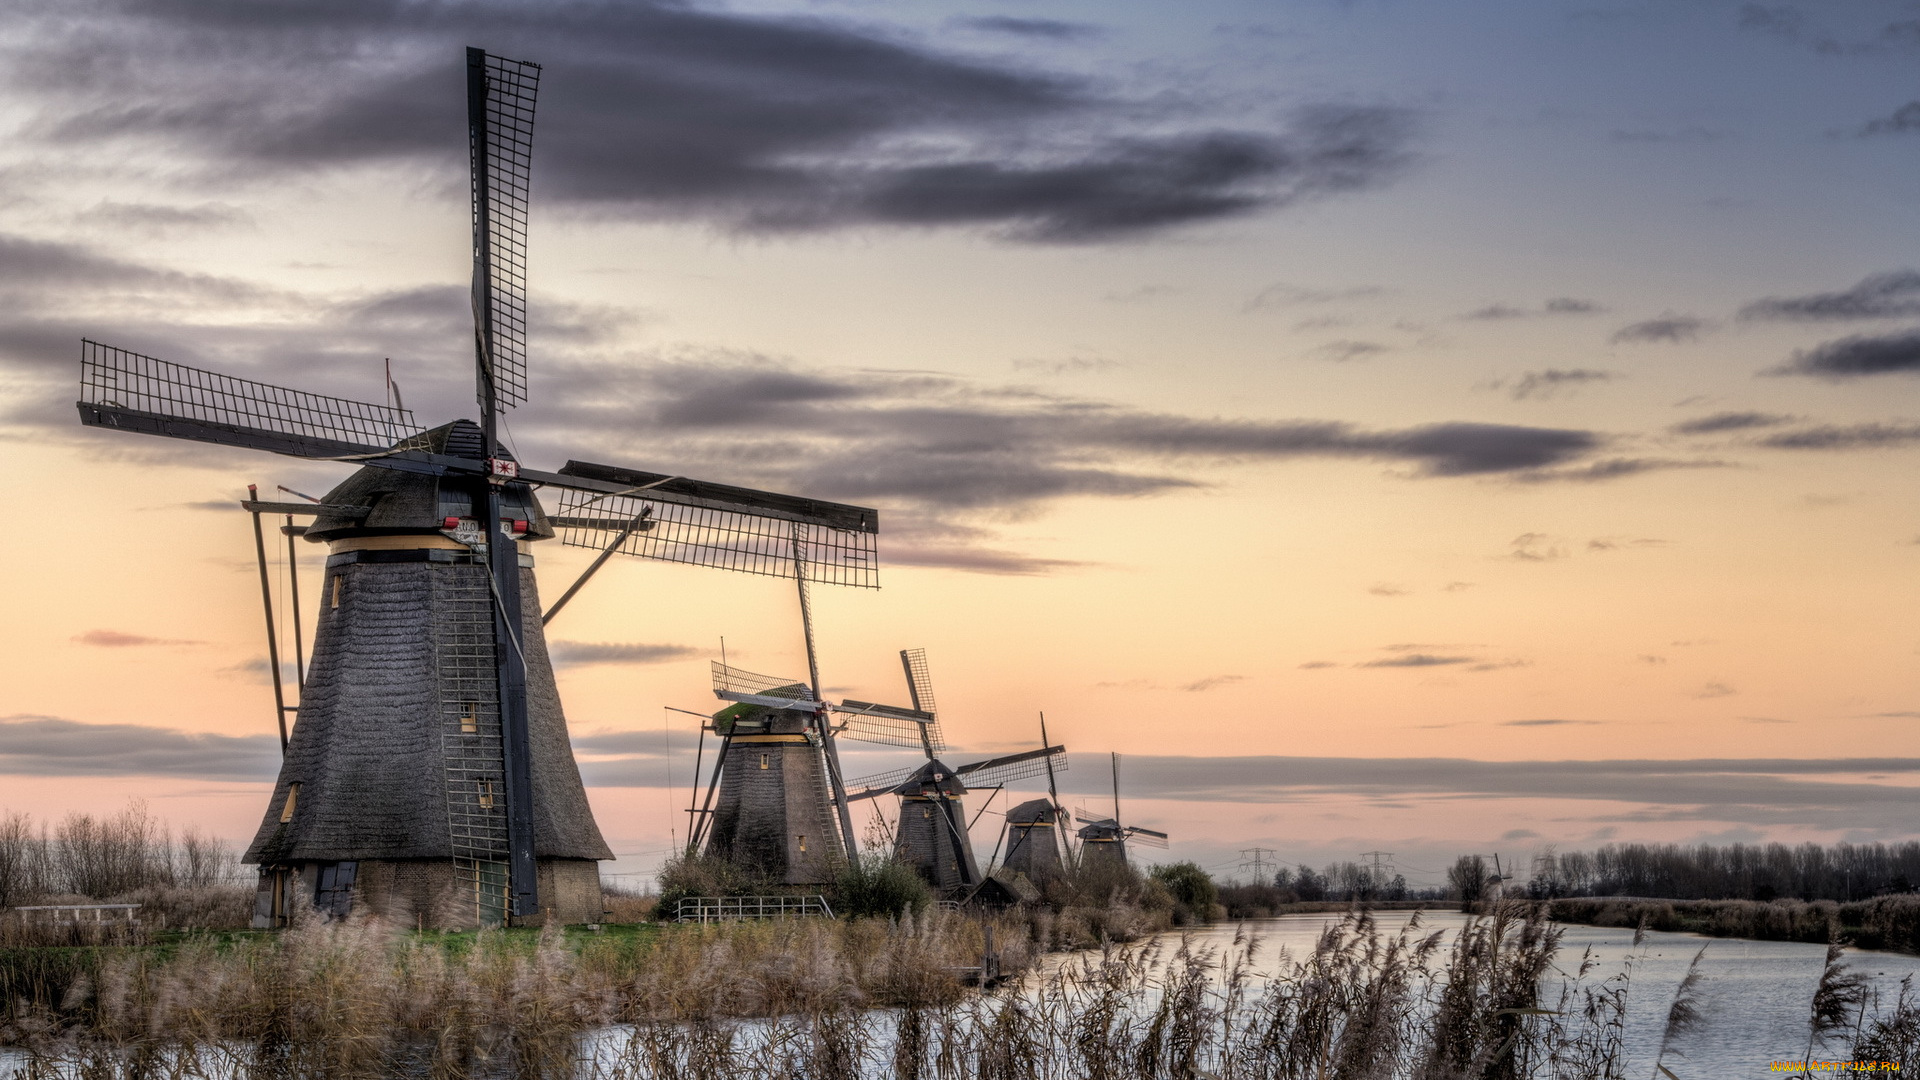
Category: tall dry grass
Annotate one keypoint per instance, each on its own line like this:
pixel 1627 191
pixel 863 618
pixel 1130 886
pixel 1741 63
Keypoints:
pixel 866 998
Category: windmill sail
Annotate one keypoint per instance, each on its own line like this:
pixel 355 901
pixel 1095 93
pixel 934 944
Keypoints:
pixel 717 525
pixel 889 725
pixel 741 685
pixel 1001 770
pixel 126 390
pixel 500 99
pixel 986 773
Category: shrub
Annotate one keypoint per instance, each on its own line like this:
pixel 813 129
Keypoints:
pixel 879 885
pixel 1195 896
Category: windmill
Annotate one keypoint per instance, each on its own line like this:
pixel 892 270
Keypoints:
pixel 932 833
pixel 1103 841
pixel 781 809
pixel 1036 846
pixel 429 767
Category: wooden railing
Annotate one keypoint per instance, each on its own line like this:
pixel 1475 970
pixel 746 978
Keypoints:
pixel 725 908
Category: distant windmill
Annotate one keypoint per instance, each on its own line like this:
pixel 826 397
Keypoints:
pixel 430 767
pixel 781 808
pixel 932 833
pixel 1036 845
pixel 1103 841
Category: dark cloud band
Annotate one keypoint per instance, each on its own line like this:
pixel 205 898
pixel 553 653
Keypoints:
pixel 666 111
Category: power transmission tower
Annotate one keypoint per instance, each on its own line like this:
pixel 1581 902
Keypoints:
pixel 1379 866
pixel 1261 862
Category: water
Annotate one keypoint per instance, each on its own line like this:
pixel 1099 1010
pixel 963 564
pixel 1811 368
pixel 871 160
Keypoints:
pixel 1756 995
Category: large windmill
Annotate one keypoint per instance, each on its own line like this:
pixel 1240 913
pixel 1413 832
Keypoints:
pixel 781 810
pixel 932 833
pixel 1103 841
pixel 430 767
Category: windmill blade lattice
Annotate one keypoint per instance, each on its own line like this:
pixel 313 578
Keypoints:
pixel 740 681
pixel 720 533
pixel 862 725
pixel 500 141
pixel 882 782
pixel 124 389
pixel 1147 837
pixel 1002 770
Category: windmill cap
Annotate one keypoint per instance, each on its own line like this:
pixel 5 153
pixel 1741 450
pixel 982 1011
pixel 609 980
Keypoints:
pixel 934 775
pixel 406 503
pixel 1031 812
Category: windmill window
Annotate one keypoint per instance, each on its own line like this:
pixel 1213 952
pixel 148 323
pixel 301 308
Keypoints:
pixel 926 812
pixel 338 580
pixel 486 794
pixel 469 718
pixel 293 796
pixel 803 842
pixel 764 758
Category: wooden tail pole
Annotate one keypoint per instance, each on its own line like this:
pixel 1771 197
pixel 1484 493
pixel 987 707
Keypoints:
pixel 293 593
pixel 266 602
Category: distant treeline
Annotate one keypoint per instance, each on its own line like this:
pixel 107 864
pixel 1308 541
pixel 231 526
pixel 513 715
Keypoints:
pixel 82 856
pixel 1838 872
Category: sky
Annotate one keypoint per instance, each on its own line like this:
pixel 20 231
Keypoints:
pixel 1387 426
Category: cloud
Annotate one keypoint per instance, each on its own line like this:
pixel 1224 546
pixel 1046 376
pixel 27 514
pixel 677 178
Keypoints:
pixel 1860 355
pixel 621 743
pixel 1616 469
pixel 1315 665
pixel 1536 547
pixel 1668 328
pixel 1714 690
pixel 1552 381
pixel 1762 791
pixel 1519 834
pixel 1344 351
pixel 930 440
pixel 1904 119
pixel 1211 682
pixel 1388 590
pixel 1729 421
pixel 759 124
pixel 1046 29
pixel 51 746
pixel 1546 723
pixel 152 219
pixel 1417 660
pixel 1616 543
pixel 115 639
pixel 1559 305
pixel 584 653
pixel 1876 296
pixel 1285 295
pixel 1845 437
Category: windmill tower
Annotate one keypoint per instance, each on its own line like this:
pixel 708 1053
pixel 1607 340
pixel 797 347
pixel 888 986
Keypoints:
pixel 1034 839
pixel 781 811
pixel 429 770
pixel 1103 841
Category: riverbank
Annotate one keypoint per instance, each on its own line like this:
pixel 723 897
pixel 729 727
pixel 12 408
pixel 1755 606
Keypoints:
pixel 1884 922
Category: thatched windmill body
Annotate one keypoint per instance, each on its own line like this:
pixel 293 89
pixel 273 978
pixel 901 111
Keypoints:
pixel 775 806
pixel 429 770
